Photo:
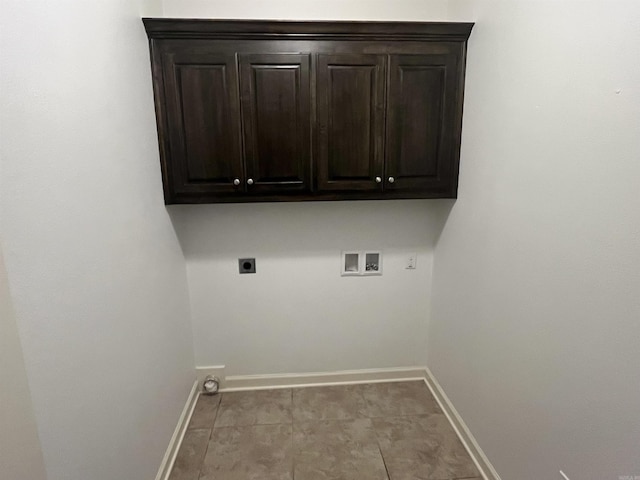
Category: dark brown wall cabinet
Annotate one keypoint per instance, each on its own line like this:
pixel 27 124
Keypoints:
pixel 252 111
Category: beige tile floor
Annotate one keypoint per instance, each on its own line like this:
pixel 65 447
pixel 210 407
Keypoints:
pixel 379 431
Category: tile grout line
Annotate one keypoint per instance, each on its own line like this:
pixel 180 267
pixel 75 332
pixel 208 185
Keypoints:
pixel 384 462
pixel 375 434
pixel 206 450
pixel 293 456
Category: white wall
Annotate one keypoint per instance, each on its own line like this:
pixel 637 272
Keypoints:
pixel 427 10
pixel 297 314
pixel 20 452
pixel 95 269
pixel 536 320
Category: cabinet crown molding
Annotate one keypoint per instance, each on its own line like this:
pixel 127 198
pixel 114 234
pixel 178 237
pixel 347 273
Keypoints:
pixel 312 30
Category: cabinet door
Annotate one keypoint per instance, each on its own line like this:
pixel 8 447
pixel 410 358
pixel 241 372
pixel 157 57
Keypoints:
pixel 203 121
pixel 276 120
pixel 421 152
pixel 350 107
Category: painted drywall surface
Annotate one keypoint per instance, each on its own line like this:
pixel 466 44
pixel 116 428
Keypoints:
pixel 297 314
pixel 536 315
pixel 431 10
pixel 95 269
pixel 20 452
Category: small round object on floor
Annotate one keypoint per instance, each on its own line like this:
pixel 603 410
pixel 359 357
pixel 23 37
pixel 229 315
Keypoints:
pixel 211 385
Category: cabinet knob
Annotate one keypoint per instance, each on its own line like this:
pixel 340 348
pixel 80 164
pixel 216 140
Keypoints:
pixel 378 180
pixel 391 179
pixel 249 181
pixel 236 181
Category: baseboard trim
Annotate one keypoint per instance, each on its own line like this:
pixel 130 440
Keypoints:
pixel 178 435
pixel 463 432
pixel 346 377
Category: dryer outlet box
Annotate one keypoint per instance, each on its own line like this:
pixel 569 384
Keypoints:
pixel 247 265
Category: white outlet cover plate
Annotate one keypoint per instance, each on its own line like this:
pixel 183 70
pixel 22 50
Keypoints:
pixel 412 261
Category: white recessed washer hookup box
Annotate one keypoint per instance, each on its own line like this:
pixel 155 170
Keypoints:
pixel 361 263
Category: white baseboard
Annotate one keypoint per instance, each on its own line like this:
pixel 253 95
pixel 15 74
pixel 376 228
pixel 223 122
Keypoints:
pixel 463 432
pixel 262 382
pixel 178 435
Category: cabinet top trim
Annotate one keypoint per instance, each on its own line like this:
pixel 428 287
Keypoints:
pixel 304 30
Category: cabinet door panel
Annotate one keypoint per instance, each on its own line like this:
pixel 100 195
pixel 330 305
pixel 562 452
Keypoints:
pixel 350 96
pixel 204 123
pixel 276 118
pixel 420 122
